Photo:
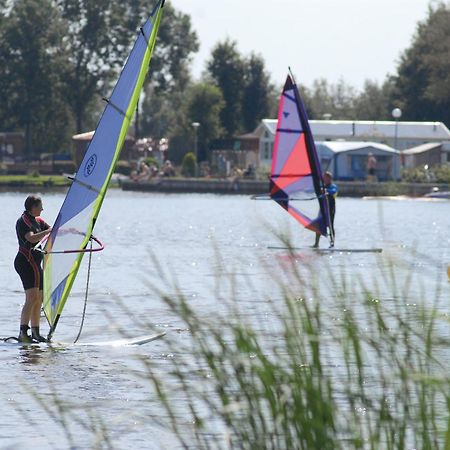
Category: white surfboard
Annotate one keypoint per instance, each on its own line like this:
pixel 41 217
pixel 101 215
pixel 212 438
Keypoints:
pixel 329 250
pixel 139 340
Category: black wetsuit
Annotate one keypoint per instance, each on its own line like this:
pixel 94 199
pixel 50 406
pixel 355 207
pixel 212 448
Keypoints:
pixel 28 262
pixel 332 191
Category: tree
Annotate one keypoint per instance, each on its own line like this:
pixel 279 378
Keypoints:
pixel 96 42
pixel 169 74
pixel 170 70
pixel 226 69
pixel 29 77
pixel 256 95
pixel 375 102
pixel 203 104
pixel 330 100
pixel 423 80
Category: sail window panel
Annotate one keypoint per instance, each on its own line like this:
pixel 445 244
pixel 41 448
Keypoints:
pixel 69 236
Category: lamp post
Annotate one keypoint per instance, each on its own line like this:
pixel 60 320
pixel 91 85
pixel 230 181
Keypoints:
pixel 195 125
pixel 396 114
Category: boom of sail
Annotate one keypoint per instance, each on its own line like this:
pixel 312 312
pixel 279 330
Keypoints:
pixel 296 172
pixel 72 231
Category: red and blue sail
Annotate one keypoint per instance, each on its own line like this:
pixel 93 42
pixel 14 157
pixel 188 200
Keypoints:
pixel 296 172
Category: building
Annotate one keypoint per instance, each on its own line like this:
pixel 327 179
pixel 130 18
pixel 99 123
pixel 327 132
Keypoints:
pixel 12 146
pixel 81 142
pixel 398 135
pixel 347 143
pixel 348 160
pixel 241 151
pixel 430 154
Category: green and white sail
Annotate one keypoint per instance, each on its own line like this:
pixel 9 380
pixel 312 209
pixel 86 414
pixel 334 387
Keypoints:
pixel 75 222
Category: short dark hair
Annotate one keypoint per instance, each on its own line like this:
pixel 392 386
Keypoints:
pixel 32 201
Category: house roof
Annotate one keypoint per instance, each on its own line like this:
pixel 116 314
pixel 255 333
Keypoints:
pixel 6 134
pixel 367 128
pixel 423 148
pixel 89 134
pixel 349 146
pixel 248 136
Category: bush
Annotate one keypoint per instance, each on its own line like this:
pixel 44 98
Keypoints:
pixel 151 161
pixel 435 174
pixel 123 168
pixel 442 173
pixel 188 165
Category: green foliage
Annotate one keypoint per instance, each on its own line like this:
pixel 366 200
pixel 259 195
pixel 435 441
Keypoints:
pixel 188 165
pixel 33 180
pixel 375 102
pixel 173 53
pixel 245 86
pixel 442 173
pixel 30 77
pixel 436 174
pixel 169 76
pixel 151 161
pixel 227 70
pixel 97 40
pixel 123 167
pixel 341 101
pixel 204 104
pixel 423 80
pixel 338 367
pixel 329 362
pixel 256 93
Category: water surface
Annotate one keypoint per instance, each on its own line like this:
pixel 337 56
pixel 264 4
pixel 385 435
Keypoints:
pixel 185 233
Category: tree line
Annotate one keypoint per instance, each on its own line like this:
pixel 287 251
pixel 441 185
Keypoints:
pixel 59 58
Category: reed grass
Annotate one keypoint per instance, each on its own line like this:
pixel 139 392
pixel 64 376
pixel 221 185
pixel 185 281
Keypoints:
pixel 339 365
pixel 331 362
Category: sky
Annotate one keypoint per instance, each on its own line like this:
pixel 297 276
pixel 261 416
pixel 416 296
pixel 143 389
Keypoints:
pixel 353 40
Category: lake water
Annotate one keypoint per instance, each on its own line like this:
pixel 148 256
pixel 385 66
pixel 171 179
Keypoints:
pixel 185 234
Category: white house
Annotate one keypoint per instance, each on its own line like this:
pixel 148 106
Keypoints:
pixel 398 135
pixel 367 135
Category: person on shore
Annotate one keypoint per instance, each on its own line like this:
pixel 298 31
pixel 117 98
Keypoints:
pixel 31 229
pixel 331 191
pixel 371 167
pixel 168 170
pixel 144 173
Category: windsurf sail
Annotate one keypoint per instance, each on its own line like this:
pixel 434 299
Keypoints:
pixel 296 172
pixel 75 221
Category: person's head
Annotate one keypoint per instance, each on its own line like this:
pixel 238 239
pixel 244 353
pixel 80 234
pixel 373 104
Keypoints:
pixel 33 205
pixel 327 177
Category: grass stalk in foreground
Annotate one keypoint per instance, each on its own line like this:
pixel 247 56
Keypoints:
pixel 338 365
pixel 322 361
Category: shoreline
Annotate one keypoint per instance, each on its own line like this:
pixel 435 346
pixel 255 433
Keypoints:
pixel 356 189
pixel 252 187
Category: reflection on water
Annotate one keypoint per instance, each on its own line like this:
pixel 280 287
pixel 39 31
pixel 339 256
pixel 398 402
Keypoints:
pixel 213 249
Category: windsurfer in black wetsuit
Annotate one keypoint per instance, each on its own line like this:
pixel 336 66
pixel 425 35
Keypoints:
pixel 331 193
pixel 30 229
